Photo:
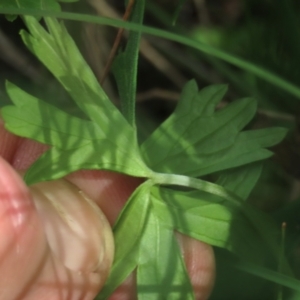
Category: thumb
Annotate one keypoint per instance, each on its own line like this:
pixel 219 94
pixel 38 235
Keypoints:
pixel 29 267
pixel 23 244
pixel 77 231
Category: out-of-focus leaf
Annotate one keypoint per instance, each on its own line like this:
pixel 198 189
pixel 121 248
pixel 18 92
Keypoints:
pixel 32 4
pixel 125 66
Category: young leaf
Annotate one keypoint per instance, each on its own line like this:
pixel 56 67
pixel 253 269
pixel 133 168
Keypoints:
pixel 107 141
pixel 161 273
pixel 126 64
pixel 197 140
pixel 129 231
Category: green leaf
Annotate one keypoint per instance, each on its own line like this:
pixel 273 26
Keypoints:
pixel 212 220
pixel 253 224
pixel 241 180
pixel 27 119
pixel 48 5
pixel 161 272
pixel 106 141
pixel 248 148
pixel 66 63
pixel 197 140
pixel 126 64
pixel 144 242
pixel 56 163
pixel 129 231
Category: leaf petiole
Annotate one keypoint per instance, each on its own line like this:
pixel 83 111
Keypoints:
pixel 196 183
pixel 258 220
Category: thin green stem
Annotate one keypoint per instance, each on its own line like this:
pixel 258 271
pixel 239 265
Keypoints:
pixel 234 60
pixel 196 183
pixel 257 219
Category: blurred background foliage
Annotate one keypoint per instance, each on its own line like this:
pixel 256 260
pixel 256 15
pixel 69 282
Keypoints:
pixel 264 32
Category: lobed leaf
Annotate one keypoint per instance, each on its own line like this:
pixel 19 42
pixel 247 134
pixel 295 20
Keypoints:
pixel 66 63
pixel 161 272
pixel 144 243
pixel 106 141
pixel 101 154
pixel 197 140
pixel 129 231
pixel 27 119
pixel 248 148
pixel 212 220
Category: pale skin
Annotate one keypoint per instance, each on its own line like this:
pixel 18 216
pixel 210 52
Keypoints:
pixel 29 268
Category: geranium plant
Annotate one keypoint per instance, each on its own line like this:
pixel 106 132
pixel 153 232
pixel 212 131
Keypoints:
pixel 196 140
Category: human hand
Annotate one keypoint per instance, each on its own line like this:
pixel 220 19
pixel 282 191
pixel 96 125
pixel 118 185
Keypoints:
pixel 36 264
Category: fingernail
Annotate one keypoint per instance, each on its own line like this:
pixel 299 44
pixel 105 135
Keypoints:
pixel 77 231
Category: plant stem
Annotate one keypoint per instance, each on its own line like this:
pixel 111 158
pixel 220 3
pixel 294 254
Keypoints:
pixel 116 42
pixel 260 72
pixel 195 183
pixel 257 219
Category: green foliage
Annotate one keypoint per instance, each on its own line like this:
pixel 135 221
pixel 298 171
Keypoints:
pixel 128 235
pixel 209 214
pixel 241 180
pixel 107 141
pixel 161 272
pixel 39 5
pixel 125 67
pixel 197 139
pixel 234 60
pixel 50 5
